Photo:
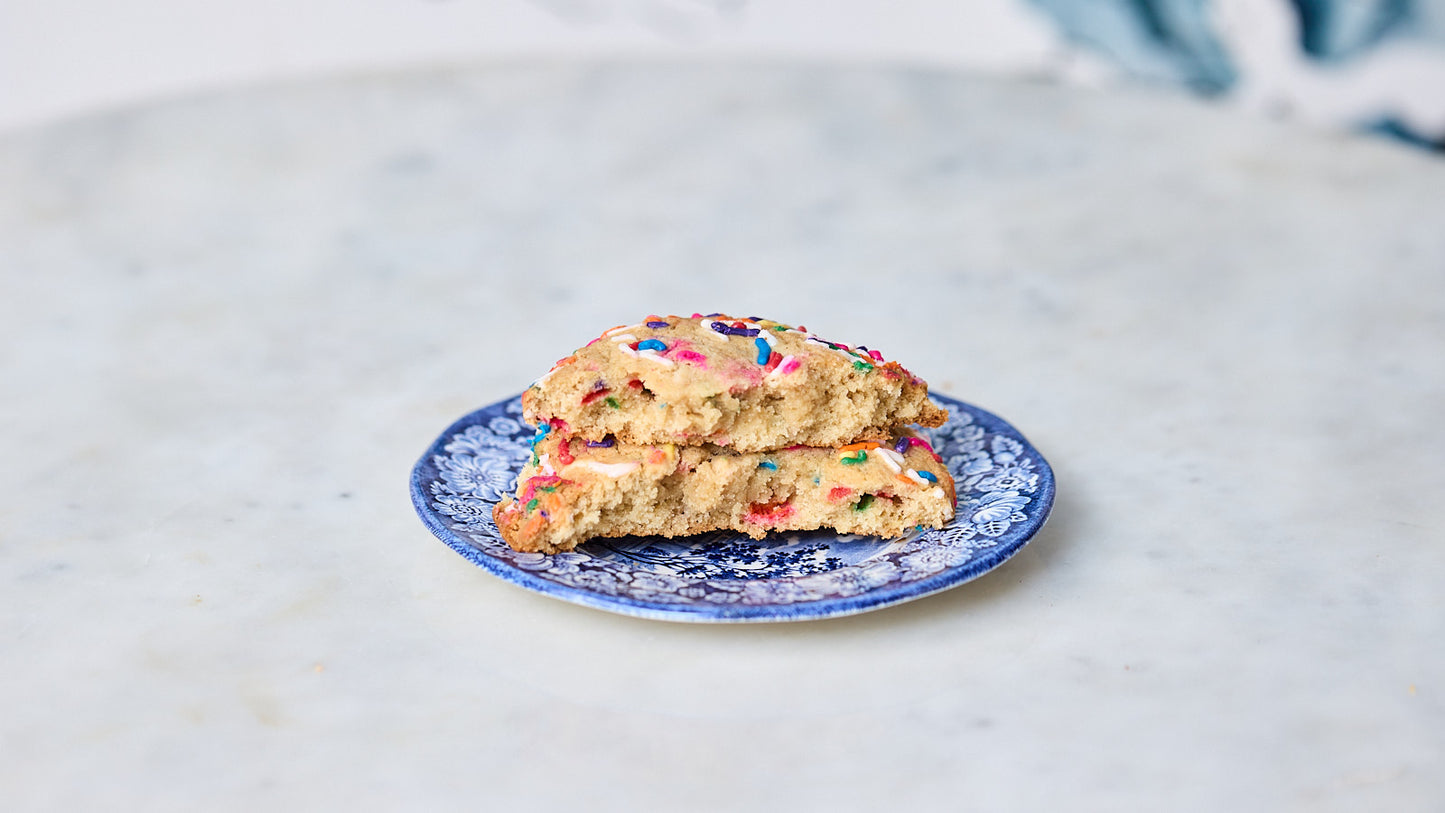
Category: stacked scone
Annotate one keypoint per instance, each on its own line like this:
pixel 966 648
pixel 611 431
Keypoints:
pixel 680 425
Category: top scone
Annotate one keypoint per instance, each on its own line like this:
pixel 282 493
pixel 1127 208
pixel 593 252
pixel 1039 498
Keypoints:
pixel 749 384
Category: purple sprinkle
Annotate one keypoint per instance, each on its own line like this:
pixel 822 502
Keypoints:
pixel 713 315
pixel 728 330
pixel 604 444
pixel 658 324
pixel 755 318
pixel 901 446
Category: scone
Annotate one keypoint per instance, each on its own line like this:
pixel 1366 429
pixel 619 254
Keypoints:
pixel 573 490
pixel 745 384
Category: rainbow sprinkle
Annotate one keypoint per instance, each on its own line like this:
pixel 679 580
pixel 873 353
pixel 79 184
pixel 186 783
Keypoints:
pixel 764 350
pixel 787 365
pixel 730 330
pixel 891 459
pixel 542 431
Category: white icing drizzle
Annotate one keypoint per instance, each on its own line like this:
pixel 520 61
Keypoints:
pixel 651 354
pixel 645 354
pixel 609 469
pixel 913 475
pixel 892 459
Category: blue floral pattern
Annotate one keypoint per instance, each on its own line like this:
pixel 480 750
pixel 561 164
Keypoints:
pixel 1005 491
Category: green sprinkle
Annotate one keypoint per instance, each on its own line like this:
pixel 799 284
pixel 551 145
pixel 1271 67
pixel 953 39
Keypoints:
pixel 863 503
pixel 780 328
pixel 612 402
pixel 532 503
pixel 856 459
pixel 862 367
pixel 548 489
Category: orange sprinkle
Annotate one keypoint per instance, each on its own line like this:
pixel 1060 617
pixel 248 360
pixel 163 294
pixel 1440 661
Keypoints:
pixel 853 447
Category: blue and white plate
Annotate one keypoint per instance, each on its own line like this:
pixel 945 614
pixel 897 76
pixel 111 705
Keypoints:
pixel 1005 491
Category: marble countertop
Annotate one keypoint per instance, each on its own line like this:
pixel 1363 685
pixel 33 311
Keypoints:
pixel 229 326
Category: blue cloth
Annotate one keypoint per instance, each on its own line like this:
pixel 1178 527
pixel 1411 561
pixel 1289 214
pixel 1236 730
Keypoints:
pixel 1172 40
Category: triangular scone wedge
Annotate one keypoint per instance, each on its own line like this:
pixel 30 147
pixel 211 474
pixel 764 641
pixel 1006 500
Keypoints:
pixel 572 491
pixel 746 384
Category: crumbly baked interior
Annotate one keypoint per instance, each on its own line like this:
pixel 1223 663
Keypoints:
pixel 572 490
pixel 747 384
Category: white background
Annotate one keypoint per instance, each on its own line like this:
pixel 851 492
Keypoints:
pixel 61 58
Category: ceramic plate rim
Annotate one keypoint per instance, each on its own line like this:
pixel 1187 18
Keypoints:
pixel 873 599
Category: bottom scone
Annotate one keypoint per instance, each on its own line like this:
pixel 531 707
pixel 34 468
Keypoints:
pixel 573 490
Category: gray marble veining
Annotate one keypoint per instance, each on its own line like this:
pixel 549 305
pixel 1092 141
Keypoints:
pixel 228 325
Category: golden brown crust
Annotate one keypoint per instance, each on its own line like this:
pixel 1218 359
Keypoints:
pixel 749 384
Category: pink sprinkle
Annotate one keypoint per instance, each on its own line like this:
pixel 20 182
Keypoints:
pixel 789 366
pixel 924 444
pixel 877 356
pixel 692 356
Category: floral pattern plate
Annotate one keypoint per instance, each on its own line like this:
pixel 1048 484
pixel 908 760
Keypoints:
pixel 1005 491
